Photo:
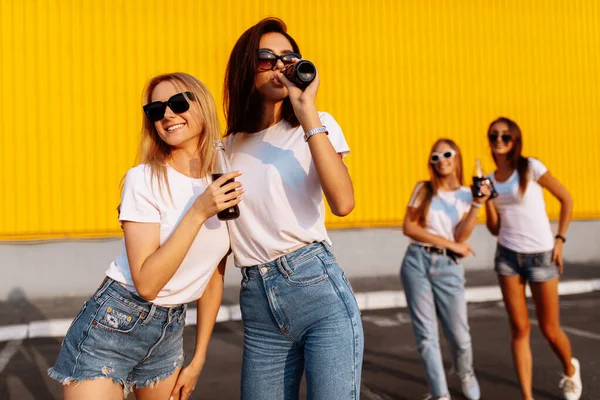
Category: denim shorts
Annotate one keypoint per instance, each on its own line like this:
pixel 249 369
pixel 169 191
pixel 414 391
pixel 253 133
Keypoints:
pixel 120 336
pixel 534 267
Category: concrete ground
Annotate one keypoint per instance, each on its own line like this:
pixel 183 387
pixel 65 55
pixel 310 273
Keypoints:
pixel 391 368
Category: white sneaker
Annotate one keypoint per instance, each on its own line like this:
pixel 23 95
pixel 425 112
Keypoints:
pixel 571 385
pixel 430 397
pixel 470 386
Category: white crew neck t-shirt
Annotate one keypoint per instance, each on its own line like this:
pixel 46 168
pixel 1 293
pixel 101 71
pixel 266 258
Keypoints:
pixel 283 207
pixel 447 209
pixel 524 224
pixel 141 201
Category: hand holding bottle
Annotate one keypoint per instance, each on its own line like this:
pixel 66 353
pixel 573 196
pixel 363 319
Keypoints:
pixel 223 194
pixel 479 182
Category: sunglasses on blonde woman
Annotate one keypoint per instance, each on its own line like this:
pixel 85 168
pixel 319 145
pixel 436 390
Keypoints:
pixel 437 157
pixel 178 103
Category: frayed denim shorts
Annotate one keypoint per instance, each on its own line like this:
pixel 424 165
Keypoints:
pixel 533 267
pixel 120 336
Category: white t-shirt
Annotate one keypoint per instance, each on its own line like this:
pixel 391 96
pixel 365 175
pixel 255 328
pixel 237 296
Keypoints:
pixel 142 202
pixel 283 207
pixel 446 210
pixel 524 224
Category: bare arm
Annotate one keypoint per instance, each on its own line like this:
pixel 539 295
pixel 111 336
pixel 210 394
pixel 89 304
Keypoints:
pixel 566 209
pixel 467 224
pixel 492 218
pixel 333 173
pixel 153 265
pixel 549 182
pixel 413 230
pixel 207 310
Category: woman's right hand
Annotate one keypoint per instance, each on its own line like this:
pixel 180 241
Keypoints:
pixel 463 249
pixel 216 197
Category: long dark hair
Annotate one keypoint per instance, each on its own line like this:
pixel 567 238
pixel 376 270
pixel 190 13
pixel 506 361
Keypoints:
pixel 430 187
pixel 242 102
pixel 516 159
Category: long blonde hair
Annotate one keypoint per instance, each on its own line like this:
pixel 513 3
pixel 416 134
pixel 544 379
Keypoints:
pixel 154 152
pixel 430 187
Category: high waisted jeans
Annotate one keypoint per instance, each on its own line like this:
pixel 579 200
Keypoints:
pixel 299 312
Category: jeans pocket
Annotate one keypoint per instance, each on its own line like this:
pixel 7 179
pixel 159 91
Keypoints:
pixel 114 316
pixel 243 284
pixel 308 272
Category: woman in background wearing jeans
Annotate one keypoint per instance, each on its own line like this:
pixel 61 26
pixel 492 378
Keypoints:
pixel 441 215
pixel 527 251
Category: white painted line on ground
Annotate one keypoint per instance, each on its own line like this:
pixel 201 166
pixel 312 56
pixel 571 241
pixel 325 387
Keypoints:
pixel 51 328
pixel 8 352
pixel 366 301
pixel 13 332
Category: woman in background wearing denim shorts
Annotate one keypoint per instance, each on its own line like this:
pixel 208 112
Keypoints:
pixel 129 334
pixel 528 251
pixel 298 309
pixel 439 219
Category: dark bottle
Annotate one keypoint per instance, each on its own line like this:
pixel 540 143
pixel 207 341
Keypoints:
pixel 301 73
pixel 221 166
pixel 479 179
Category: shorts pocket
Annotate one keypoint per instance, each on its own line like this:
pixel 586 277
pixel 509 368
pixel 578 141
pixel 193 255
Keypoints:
pixel 114 316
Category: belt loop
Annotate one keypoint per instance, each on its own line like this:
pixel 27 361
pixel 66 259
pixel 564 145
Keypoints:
pixel 103 286
pixel 326 246
pixel 150 315
pixel 183 312
pixel 244 272
pixel 283 267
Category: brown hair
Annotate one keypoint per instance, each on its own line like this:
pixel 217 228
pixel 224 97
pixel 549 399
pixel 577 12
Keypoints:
pixel 516 159
pixel 241 101
pixel 430 187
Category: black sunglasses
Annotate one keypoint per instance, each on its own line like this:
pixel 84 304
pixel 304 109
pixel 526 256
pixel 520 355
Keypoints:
pixel 266 59
pixel 506 138
pixel 178 103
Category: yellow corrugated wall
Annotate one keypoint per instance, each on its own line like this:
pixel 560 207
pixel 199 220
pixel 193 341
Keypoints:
pixel 397 74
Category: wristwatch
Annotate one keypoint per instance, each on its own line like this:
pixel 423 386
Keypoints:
pixel 314 131
pixel 561 237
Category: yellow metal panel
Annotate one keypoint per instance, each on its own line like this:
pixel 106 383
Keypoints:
pixel 397 75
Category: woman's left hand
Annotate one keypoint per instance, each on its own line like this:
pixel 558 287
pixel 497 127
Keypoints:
pixel 301 99
pixel 557 255
pixel 186 382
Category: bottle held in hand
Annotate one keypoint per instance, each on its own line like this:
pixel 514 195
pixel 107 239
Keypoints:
pixel 479 180
pixel 221 167
pixel 301 73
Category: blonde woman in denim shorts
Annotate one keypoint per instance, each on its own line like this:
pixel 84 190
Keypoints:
pixel 129 334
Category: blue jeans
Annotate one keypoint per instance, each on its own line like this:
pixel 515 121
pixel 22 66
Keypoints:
pixel 299 312
pixel 434 284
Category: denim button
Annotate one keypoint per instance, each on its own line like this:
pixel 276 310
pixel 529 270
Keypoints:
pixel 263 270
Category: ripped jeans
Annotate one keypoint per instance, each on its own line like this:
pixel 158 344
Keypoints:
pixel 120 336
